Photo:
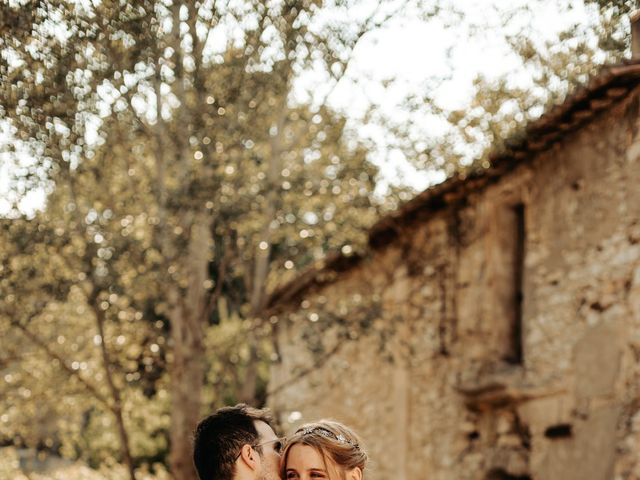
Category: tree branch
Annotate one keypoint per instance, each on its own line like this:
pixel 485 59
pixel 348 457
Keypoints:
pixel 116 407
pixel 40 343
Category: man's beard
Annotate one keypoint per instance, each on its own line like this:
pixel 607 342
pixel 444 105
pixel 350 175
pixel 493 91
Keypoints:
pixel 265 474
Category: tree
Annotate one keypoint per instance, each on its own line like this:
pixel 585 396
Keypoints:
pixel 499 108
pixel 186 179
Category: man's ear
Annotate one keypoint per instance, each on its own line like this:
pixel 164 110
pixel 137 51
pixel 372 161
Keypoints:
pixel 354 474
pixel 249 456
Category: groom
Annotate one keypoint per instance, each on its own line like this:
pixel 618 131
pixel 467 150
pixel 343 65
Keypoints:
pixel 237 443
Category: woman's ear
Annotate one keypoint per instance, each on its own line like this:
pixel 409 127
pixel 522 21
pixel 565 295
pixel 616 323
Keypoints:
pixel 354 474
pixel 248 456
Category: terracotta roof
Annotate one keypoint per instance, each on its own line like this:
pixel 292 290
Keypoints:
pixel 610 85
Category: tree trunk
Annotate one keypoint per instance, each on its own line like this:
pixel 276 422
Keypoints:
pixel 248 392
pixel 187 368
pixel 261 268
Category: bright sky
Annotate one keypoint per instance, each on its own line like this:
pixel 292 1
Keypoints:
pixel 416 51
pixel 411 52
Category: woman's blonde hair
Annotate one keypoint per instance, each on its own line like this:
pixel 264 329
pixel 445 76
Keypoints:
pixel 332 440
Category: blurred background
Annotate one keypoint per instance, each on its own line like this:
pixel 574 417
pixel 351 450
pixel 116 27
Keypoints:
pixel 167 167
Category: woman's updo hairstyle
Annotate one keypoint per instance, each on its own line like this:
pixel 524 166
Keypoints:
pixel 332 440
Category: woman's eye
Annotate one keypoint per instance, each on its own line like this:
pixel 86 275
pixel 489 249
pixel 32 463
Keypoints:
pixel 292 475
pixel 317 475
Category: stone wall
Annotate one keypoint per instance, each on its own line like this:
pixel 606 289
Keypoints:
pixel 499 339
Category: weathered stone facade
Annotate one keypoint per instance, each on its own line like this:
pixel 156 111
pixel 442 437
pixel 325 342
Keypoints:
pixel 498 337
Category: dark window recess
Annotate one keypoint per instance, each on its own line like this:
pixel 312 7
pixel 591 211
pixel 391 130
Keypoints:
pixel 500 474
pixel 563 430
pixel 509 256
pixel 518 274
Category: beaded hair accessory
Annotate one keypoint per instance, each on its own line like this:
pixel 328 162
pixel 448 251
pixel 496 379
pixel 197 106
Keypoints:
pixel 327 433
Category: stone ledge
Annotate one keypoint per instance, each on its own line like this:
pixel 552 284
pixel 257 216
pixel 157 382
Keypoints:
pixel 503 389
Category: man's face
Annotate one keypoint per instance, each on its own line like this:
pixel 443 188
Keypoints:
pixel 270 458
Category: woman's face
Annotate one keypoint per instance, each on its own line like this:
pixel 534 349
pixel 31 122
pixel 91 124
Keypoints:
pixel 306 463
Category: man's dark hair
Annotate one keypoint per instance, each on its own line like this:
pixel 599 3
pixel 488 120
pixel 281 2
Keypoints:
pixel 219 438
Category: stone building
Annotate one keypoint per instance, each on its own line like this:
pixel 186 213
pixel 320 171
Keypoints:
pixel 492 331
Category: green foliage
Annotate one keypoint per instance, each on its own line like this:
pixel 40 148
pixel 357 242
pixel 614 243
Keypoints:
pixel 501 107
pixel 165 154
pixel 163 159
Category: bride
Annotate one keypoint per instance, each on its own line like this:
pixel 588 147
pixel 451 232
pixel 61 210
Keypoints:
pixel 323 450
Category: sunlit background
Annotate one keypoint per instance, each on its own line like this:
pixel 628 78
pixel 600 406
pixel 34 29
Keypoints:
pixel 411 57
pixel 166 166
